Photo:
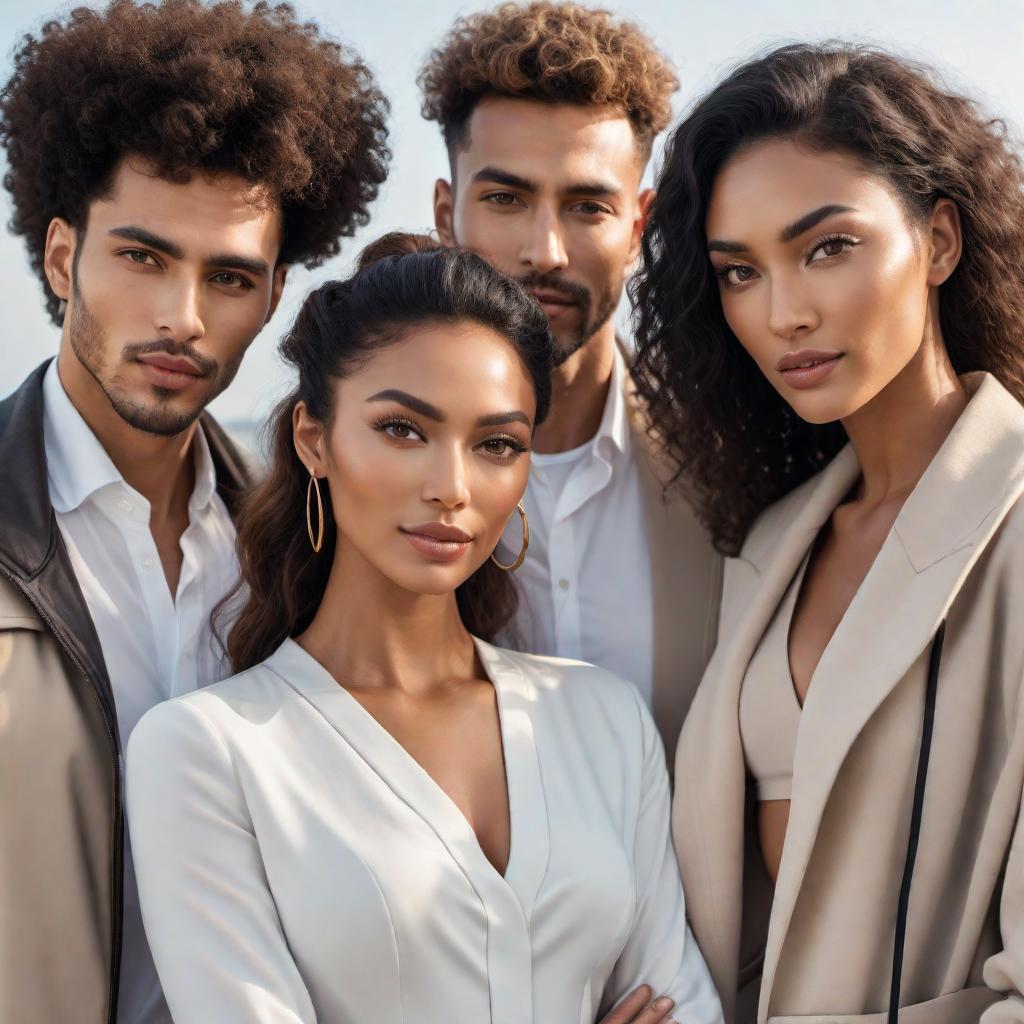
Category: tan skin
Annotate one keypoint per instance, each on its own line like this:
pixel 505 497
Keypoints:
pixel 188 269
pixel 553 190
pixel 432 429
pixel 860 284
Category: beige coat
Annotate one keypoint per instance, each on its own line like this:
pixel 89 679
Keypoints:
pixel 686 580
pixel 956 551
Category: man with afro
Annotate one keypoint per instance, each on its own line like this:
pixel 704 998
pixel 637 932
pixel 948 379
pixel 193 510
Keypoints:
pixel 167 162
pixel 549 112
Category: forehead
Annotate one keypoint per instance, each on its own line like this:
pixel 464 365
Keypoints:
pixel 210 212
pixel 460 367
pixel 555 144
pixel 775 182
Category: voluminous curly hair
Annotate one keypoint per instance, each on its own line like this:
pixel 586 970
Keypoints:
pixel 736 443
pixel 222 88
pixel 555 52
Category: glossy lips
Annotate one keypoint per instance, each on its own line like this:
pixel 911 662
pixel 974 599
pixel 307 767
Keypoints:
pixel 554 303
pixel 172 373
pixel 807 367
pixel 438 542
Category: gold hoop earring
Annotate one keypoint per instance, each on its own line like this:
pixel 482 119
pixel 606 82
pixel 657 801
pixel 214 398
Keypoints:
pixel 314 484
pixel 526 543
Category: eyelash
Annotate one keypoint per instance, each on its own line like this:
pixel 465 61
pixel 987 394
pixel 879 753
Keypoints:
pixel 498 199
pixel 243 282
pixel 722 272
pixel 517 447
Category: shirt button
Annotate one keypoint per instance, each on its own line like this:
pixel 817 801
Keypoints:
pixel 563 584
pixel 125 505
pixel 148 563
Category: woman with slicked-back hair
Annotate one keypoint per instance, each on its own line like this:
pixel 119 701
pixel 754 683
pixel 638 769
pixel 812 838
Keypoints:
pixel 831 335
pixel 383 817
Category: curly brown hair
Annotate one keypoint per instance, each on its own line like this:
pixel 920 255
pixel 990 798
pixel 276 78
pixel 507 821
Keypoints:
pixel 222 88
pixel 736 443
pixel 556 52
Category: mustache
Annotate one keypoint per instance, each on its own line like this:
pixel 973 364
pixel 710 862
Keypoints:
pixel 206 365
pixel 574 292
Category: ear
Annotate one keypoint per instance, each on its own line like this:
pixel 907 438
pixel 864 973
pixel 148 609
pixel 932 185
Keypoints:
pixel 276 289
pixel 946 241
pixel 643 211
pixel 308 437
pixel 444 212
pixel 59 256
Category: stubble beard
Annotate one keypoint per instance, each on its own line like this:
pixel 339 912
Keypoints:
pixel 86 338
pixel 589 326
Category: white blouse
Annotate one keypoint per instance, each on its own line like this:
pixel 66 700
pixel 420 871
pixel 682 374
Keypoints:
pixel 296 864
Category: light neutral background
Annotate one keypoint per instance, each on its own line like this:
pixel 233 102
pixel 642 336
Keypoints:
pixel 976 44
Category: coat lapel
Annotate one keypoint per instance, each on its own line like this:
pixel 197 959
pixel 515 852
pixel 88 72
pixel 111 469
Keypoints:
pixel 939 534
pixel 710 771
pixel 686 581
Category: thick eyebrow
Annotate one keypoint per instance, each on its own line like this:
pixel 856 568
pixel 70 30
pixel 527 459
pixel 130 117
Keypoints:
pixel 810 220
pixel 496 176
pixel 410 402
pixel 498 419
pixel 795 230
pixel 131 233
pixel 230 261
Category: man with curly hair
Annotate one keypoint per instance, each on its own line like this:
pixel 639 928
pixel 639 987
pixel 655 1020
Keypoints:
pixel 167 163
pixel 549 112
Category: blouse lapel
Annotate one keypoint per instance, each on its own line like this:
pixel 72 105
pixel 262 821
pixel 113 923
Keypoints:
pixel 941 531
pixel 507 901
pixel 530 849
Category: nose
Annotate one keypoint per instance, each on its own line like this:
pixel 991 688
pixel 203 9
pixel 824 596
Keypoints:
pixel 544 246
pixel 448 482
pixel 178 315
pixel 791 313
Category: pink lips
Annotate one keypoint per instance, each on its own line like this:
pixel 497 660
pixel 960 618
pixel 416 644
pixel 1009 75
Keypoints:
pixel 554 304
pixel 438 541
pixel 170 372
pixel 807 367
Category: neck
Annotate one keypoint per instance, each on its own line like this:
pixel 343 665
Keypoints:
pixel 369 632
pixel 897 434
pixel 160 468
pixel 579 390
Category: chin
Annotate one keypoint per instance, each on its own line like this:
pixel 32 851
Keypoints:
pixel 432 580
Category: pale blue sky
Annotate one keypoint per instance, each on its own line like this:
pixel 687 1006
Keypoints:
pixel 977 46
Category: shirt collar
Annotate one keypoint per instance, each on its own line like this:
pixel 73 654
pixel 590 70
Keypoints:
pixel 78 466
pixel 613 434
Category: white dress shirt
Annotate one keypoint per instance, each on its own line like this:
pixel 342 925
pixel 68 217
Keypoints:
pixel 585 587
pixel 155 644
pixel 298 866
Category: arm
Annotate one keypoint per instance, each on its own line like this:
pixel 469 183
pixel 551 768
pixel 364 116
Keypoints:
pixel 660 950
pixel 209 915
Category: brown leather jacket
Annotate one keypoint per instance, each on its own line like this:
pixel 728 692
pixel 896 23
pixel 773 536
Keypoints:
pixel 61 822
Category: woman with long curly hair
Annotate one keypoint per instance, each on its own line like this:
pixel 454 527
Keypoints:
pixel 383 817
pixel 831 335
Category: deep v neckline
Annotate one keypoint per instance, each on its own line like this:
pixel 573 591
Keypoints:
pixel 528 834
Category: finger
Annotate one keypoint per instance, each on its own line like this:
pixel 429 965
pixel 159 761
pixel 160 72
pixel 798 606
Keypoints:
pixel 656 1013
pixel 633 1004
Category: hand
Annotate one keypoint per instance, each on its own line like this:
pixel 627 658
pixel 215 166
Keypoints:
pixel 637 1008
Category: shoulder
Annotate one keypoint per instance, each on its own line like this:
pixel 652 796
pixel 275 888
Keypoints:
pixel 585 692
pixel 212 716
